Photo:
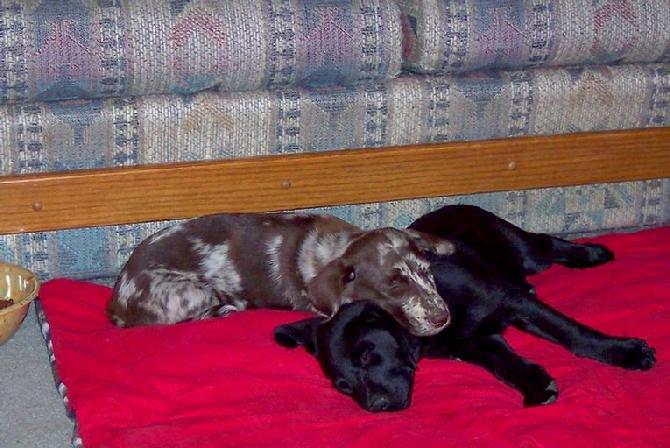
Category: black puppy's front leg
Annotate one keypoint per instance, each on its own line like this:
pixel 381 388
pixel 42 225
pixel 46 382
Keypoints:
pixel 541 320
pixel 576 255
pixel 493 354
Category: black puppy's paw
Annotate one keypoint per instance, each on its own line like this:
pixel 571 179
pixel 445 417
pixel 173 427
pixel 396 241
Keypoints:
pixel 598 254
pixel 631 354
pixel 541 397
pixel 588 255
pixel 540 389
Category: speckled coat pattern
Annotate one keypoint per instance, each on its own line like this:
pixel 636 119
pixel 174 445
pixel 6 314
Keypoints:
pixel 210 266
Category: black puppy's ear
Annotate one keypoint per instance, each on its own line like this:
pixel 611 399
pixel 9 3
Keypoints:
pixel 413 346
pixel 373 314
pixel 298 333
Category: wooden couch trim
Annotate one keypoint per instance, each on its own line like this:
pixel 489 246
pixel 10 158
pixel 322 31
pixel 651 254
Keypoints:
pixel 84 198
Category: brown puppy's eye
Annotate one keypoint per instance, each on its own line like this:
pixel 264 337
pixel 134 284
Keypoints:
pixel 349 275
pixel 398 279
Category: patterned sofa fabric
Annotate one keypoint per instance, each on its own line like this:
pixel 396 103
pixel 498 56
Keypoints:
pixel 96 133
pixel 52 50
pixel 444 36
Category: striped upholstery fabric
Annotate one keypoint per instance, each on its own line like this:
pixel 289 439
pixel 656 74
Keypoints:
pixel 51 50
pixel 461 35
pixel 97 133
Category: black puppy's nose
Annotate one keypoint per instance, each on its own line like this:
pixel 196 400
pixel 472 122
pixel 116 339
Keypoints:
pixel 378 403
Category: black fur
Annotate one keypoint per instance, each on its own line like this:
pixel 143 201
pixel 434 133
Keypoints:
pixel 369 356
pixel 363 350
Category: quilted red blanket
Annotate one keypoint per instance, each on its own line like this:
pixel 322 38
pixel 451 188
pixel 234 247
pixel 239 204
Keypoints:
pixel 224 382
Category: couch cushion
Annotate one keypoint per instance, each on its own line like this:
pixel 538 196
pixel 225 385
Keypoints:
pixel 461 35
pixel 53 136
pixel 74 49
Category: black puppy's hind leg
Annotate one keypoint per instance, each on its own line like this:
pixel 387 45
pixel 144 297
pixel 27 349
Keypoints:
pixel 543 321
pixel 493 354
pixel 575 255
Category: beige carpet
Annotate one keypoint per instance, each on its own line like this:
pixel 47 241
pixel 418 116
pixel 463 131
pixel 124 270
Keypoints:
pixel 31 411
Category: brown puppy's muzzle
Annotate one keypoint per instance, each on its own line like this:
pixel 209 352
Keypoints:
pixel 441 321
pixel 432 325
pixel 426 317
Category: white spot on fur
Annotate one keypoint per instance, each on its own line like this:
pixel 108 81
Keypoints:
pixel 179 295
pixel 296 215
pixel 318 250
pixel 417 316
pixel 439 246
pixel 127 289
pixel 383 249
pixel 444 247
pixel 398 239
pixel 417 310
pixel 274 259
pixel 306 262
pixel 226 310
pixel 200 247
pixel 218 268
pixel 330 246
pixel 420 262
pixel 414 310
pixel 168 231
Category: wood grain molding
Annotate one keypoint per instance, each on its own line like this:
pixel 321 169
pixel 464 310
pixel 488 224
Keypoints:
pixel 155 192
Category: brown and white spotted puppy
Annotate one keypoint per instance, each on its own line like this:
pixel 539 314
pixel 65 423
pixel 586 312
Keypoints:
pixel 215 264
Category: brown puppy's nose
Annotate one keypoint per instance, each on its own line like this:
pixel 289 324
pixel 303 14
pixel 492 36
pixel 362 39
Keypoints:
pixel 440 320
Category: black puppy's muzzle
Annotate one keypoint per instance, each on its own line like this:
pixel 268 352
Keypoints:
pixel 381 401
pixel 377 403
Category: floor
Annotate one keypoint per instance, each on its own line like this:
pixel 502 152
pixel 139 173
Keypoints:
pixel 31 410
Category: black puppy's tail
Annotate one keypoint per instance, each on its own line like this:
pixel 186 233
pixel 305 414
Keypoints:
pixel 575 255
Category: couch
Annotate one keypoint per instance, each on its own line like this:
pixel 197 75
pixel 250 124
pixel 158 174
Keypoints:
pixel 118 117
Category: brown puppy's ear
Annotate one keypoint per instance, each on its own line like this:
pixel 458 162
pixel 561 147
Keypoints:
pixel 430 243
pixel 325 289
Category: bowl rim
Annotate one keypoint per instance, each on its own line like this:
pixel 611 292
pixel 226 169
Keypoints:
pixel 30 296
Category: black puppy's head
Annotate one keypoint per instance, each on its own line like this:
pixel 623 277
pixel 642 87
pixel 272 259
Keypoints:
pixel 364 352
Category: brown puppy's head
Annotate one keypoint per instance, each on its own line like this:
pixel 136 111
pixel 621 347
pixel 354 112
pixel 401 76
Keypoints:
pixel 390 267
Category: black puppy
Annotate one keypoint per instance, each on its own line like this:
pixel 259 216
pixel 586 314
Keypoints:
pixel 369 356
pixel 364 351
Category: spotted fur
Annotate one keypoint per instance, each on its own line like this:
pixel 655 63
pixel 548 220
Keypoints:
pixel 213 265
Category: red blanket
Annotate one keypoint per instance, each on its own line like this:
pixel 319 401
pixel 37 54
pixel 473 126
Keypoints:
pixel 224 382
